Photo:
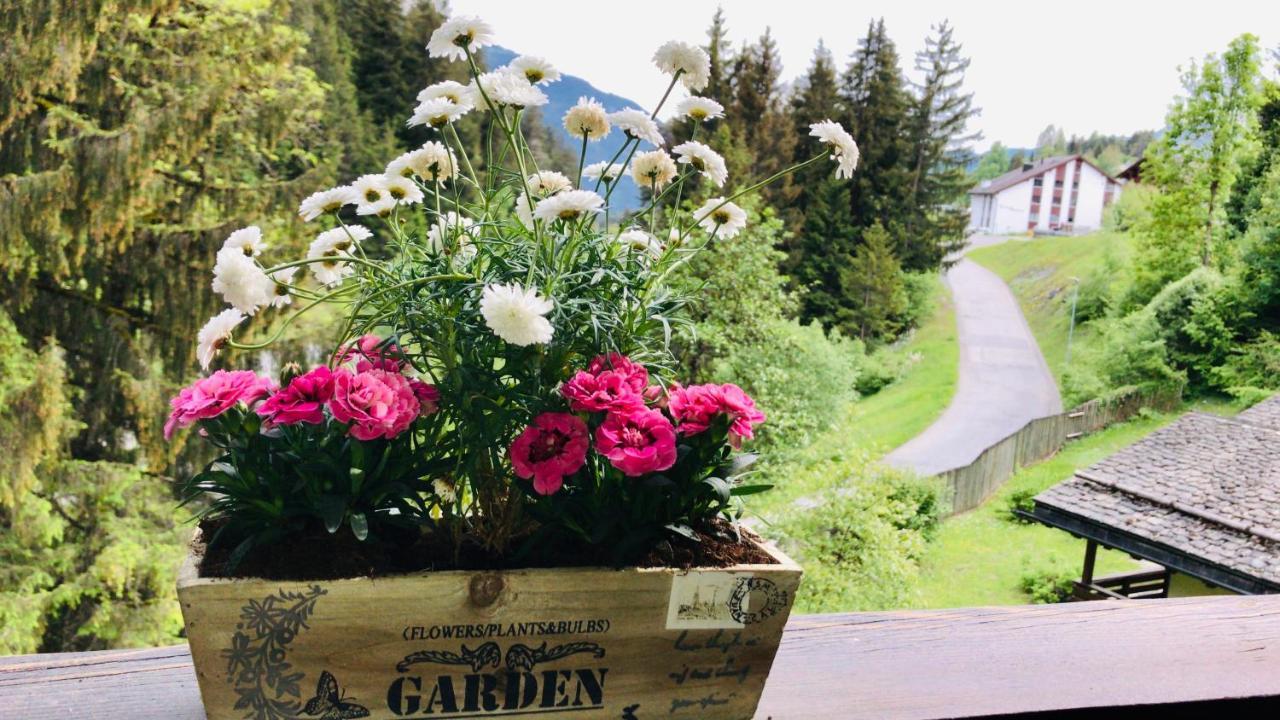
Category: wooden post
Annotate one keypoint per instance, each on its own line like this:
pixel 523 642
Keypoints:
pixel 1090 556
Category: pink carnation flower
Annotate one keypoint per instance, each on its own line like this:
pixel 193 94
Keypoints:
pixel 427 394
pixel 378 403
pixel 612 383
pixel 637 441
pixel 554 446
pixel 302 401
pixel 635 373
pixel 696 407
pixel 211 396
pixel 369 353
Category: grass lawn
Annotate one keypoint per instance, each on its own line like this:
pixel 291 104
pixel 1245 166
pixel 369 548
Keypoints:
pixel 979 558
pixel 1040 273
pixel 874 425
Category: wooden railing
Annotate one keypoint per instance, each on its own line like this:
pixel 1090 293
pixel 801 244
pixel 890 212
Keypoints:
pixel 1141 585
pixel 968 486
pixel 1197 657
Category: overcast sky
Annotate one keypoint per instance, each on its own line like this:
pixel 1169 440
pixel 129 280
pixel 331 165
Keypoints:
pixel 1083 65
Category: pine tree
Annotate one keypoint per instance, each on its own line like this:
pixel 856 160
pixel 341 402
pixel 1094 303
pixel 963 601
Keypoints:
pixel 877 102
pixel 720 50
pixel 119 185
pixel 873 283
pixel 816 98
pixel 762 126
pixel 940 151
pixel 822 233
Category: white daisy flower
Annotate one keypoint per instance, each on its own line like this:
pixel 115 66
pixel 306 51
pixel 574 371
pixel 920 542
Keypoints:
pixel 505 88
pixel 326 201
pixel 653 169
pixel 604 171
pixel 215 334
pixel 332 247
pixel 516 314
pixel 403 190
pixel 451 90
pixel 247 240
pixel 542 185
pixel 843 149
pixel 534 69
pixel 690 61
pixel 567 205
pixel 524 210
pixel 587 119
pixel 638 124
pixel 640 241
pixel 452 231
pixel 432 162
pixel 704 159
pixel 457 35
pixel 370 193
pixel 724 219
pixel 445 490
pixel 699 108
pixel 283 278
pixel 547 182
pixel 240 281
pixel 436 113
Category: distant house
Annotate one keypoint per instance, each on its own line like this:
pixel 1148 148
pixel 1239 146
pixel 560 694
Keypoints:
pixel 1132 172
pixel 1057 194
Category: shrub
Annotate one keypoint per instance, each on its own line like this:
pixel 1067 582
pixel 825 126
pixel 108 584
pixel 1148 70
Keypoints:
pixel 861 547
pixel 880 369
pixel 1048 586
pixel 801 377
pixel 918 290
pixel 1019 500
pixel 1132 209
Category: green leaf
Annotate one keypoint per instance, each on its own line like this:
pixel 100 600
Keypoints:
pixel 683 530
pixel 332 509
pixel 740 463
pixel 360 526
pixel 720 487
pixel 749 489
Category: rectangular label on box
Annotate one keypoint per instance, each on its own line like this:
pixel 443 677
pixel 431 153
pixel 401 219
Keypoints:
pixel 706 601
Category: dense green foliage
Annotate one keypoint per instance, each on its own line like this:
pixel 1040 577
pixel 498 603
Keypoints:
pixel 87 549
pixel 863 543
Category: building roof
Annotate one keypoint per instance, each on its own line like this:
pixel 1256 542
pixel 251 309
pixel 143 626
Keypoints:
pixel 1013 177
pixel 1201 495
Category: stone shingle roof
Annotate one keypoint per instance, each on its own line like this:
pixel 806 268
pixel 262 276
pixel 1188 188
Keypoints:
pixel 1203 486
pixel 1266 413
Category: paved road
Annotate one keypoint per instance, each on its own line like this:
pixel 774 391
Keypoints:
pixel 1004 380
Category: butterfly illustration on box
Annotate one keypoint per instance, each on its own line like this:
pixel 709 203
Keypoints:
pixel 330 704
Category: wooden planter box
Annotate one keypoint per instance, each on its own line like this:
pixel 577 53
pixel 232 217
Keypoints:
pixel 579 643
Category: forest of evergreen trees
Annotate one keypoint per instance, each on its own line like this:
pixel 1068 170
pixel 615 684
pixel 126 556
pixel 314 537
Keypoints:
pixel 136 134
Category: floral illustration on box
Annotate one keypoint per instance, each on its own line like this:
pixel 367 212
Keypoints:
pixel 520 657
pixel 264 680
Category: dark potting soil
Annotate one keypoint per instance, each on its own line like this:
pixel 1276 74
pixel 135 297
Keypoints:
pixel 320 555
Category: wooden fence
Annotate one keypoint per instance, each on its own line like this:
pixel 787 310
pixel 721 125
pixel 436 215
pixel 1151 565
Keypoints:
pixel 968 486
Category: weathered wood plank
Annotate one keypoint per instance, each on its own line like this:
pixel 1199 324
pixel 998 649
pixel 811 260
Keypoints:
pixel 896 665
